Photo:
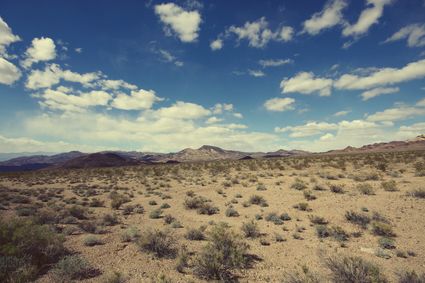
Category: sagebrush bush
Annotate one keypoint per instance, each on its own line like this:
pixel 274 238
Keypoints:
pixel 73 267
pixel 389 186
pixel 411 277
pixel 418 193
pixel 224 253
pixel 354 269
pixel 257 200
pixel 360 219
pixel 382 229
pixel 250 229
pixel 195 234
pixel 160 243
pixel 26 248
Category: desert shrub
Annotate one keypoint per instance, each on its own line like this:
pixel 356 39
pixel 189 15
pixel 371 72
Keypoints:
pixel 386 243
pixel 303 206
pixel 182 259
pixel 318 220
pixel 224 253
pixel 208 209
pixel 155 214
pixel 298 185
pixel 389 186
pixel 117 200
pixel 322 231
pixel 382 229
pixel 152 202
pixel 338 189
pixel 91 241
pixel 305 276
pixel 257 200
pixel 250 229
pixel 273 217
pixel 319 187
pixel 73 267
pixel 25 210
pixel 231 212
pixel 354 269
pixel 418 193
pixel 261 187
pixel 339 234
pixel 128 209
pixel 165 206
pixel 194 202
pixel 360 219
pixel 176 224
pixel 168 219
pixel 110 219
pixel 308 195
pixel 160 243
pixel 365 189
pixel 114 277
pixel 195 234
pixel 411 277
pixel 130 235
pixel 96 203
pixel 90 227
pixel 26 248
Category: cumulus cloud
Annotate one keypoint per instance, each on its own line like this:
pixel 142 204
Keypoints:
pixel 59 99
pixel 216 44
pixel 414 33
pixel 378 91
pixel 9 73
pixel 183 110
pixel 116 84
pixel 309 129
pixel 185 24
pixel 274 62
pixel 342 113
pixel 213 120
pixel 396 114
pixel 382 77
pixel 279 104
pixel 306 83
pixel 6 37
pixel 367 18
pixel 53 74
pixel 258 34
pixel 219 108
pixel 137 100
pixel 330 16
pixel 41 49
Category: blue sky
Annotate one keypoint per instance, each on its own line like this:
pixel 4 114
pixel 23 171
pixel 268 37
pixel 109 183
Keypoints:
pixel 246 75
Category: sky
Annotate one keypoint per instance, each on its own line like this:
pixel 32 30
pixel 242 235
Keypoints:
pixel 160 76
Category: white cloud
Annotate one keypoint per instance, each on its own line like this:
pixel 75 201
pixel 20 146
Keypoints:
pixel 327 137
pixel 79 50
pixel 306 83
pixel 9 73
pixel 23 144
pixel 6 37
pixel 367 18
pixel 342 113
pixel 330 16
pixel 382 77
pixel 396 114
pixel 213 120
pixel 216 44
pixel 274 62
pixel 183 23
pixel 256 73
pixel 258 33
pixel 415 34
pixel 378 91
pixel 137 100
pixel 238 115
pixel 421 103
pixel 183 110
pixel 279 104
pixel 116 84
pixel 41 49
pixel 220 107
pixel 309 129
pixel 60 100
pixel 53 73
pixel 170 58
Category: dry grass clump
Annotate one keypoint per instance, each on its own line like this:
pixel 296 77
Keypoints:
pixel 160 243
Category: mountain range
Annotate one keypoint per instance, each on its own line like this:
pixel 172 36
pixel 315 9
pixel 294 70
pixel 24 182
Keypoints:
pixel 76 159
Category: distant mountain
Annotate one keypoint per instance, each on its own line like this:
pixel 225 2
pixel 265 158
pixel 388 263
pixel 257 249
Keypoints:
pixel 7 156
pixel 76 159
pixel 98 160
pixel 412 144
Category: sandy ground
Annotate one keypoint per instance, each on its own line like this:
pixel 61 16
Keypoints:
pixel 406 214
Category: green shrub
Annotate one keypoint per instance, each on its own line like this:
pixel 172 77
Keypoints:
pixel 250 229
pixel 360 219
pixel 411 277
pixel 306 276
pixel 257 200
pixel 155 214
pixel 382 229
pixel 117 200
pixel 110 219
pixel 224 253
pixel 195 234
pixel 208 209
pixel 298 185
pixel 365 189
pixel 337 189
pixel 130 235
pixel 389 186
pixel 318 220
pixel 354 269
pixel 322 231
pixel 91 241
pixel 418 193
pixel 231 212
pixel 386 243
pixel 160 243
pixel 26 248
pixel 114 277
pixel 73 267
